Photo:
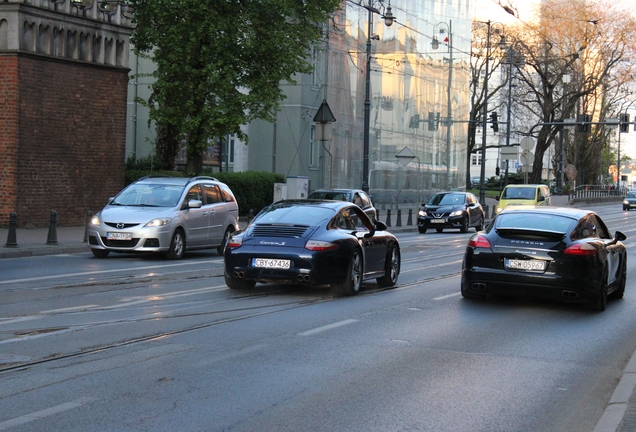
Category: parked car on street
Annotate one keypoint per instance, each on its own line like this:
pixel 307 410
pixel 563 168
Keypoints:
pixel 629 202
pixel 559 253
pixel 356 196
pixel 451 210
pixel 165 214
pixel 310 243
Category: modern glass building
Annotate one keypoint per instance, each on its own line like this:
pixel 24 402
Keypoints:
pixel 418 103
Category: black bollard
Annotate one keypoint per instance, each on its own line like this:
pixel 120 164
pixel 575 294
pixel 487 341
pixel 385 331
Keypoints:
pixel 398 223
pixel 52 238
pixel 388 217
pixel 89 216
pixel 11 236
pixel 409 220
pixel 250 217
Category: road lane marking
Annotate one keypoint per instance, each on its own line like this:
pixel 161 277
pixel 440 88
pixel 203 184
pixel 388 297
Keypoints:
pixel 20 319
pixel 45 413
pixel 327 327
pixel 444 297
pixel 71 309
pixel 97 272
pixel 431 266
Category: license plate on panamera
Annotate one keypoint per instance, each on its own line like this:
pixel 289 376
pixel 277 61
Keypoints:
pixel 270 263
pixel 528 265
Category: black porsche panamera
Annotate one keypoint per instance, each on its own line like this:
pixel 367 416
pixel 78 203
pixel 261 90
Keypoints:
pixel 557 253
pixel 312 242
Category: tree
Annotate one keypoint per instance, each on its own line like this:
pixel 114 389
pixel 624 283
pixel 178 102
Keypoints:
pixel 220 62
pixel 584 39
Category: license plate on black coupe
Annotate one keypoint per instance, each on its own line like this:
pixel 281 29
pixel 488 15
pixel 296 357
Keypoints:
pixel 527 265
pixel 270 263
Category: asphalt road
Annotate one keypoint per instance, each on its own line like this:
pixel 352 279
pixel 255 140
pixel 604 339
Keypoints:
pixel 142 344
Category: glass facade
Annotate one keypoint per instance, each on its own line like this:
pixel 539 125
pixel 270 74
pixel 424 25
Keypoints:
pixel 417 141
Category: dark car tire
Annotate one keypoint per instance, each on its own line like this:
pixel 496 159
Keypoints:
pixel 480 226
pixel 239 284
pixel 177 245
pixel 464 227
pixel 226 237
pixel 353 282
pixel 620 290
pixel 601 302
pixel 392 268
pixel 421 230
pixel 100 253
pixel 439 229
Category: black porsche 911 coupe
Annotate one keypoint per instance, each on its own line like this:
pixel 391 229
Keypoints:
pixel 312 242
pixel 558 253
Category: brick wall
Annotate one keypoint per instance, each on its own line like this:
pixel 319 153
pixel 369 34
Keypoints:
pixel 8 135
pixel 71 139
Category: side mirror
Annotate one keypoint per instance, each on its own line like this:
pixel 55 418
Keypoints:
pixel 541 198
pixel 380 226
pixel 497 198
pixel 194 204
pixel 619 236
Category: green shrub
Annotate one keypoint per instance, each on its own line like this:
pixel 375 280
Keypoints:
pixel 253 190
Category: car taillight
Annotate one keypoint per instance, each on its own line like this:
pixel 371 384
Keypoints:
pixel 234 242
pixel 316 245
pixel 479 241
pixel 581 249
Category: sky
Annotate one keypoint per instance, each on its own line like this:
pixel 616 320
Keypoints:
pixel 492 10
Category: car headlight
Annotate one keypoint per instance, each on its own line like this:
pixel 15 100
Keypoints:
pixel 158 222
pixel 625 202
pixel 499 209
pixel 457 213
pixel 422 213
pixel 95 221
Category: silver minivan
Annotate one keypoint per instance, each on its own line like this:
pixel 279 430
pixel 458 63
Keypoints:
pixel 165 214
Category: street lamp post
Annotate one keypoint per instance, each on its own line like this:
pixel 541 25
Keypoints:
pixel 449 112
pixel 484 125
pixel 388 20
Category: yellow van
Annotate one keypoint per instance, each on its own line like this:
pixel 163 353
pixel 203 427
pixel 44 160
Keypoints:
pixel 524 194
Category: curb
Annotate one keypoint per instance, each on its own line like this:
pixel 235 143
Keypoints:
pixel 16 252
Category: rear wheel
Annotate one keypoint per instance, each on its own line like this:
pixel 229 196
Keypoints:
pixel 177 245
pixel 239 284
pixel 392 269
pixel 226 237
pixel 469 295
pixel 601 302
pixel 353 282
pixel 620 291
pixel 480 226
pixel 100 253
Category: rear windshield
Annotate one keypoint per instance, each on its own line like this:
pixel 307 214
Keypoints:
pixel 523 221
pixel 300 215
pixel 521 193
pixel 327 195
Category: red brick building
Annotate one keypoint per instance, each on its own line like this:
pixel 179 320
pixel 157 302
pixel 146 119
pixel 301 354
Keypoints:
pixel 63 94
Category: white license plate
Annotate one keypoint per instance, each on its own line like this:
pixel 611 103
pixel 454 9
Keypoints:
pixel 270 263
pixel 530 265
pixel 119 236
pixel 438 220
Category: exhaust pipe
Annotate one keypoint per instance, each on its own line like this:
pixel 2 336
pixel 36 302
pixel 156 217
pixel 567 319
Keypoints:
pixel 239 274
pixel 569 294
pixel 303 278
pixel 479 286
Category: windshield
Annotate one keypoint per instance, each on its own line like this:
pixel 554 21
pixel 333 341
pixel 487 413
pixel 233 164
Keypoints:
pixel 447 199
pixel 535 222
pixel 295 215
pixel 520 193
pixel 149 195
pixel 631 194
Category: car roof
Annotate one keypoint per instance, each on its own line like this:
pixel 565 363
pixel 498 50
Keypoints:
pixel 524 185
pixel 174 180
pixel 335 205
pixel 572 212
pixel 338 190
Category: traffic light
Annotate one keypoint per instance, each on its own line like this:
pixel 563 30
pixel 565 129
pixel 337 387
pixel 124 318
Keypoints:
pixel 585 119
pixel 414 123
pixel 624 125
pixel 497 171
pixel 433 121
pixel 494 122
